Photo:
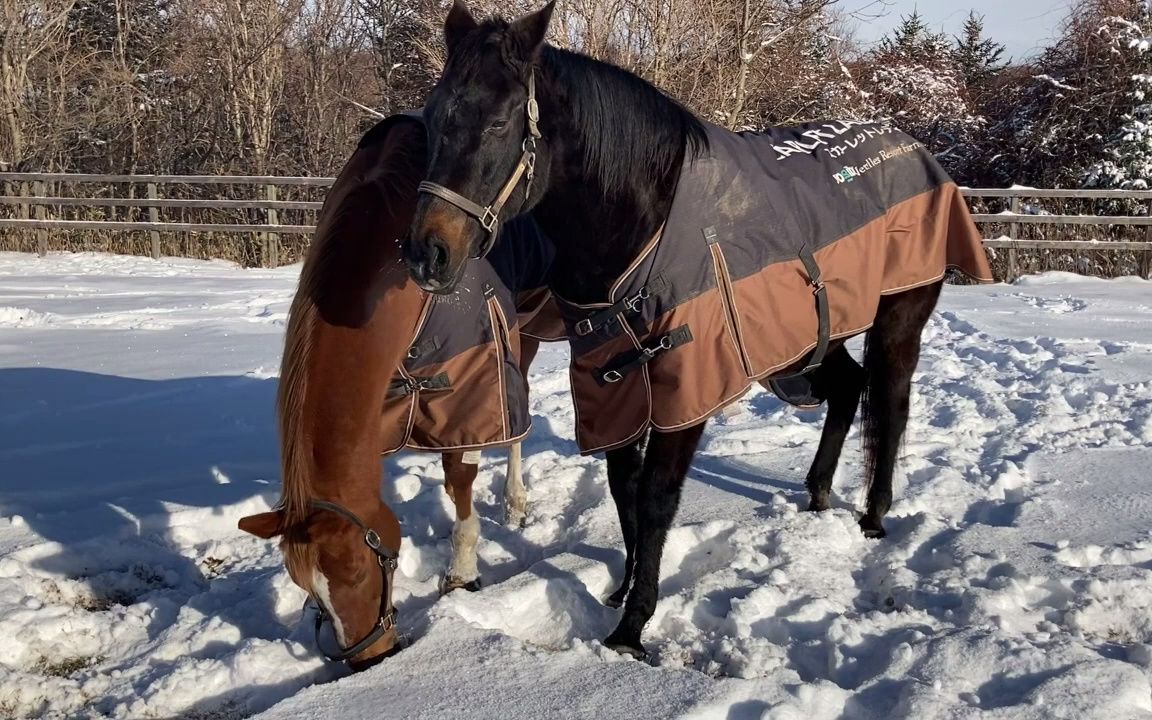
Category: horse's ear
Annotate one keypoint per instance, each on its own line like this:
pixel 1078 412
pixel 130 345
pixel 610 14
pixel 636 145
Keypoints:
pixel 458 24
pixel 527 33
pixel 263 525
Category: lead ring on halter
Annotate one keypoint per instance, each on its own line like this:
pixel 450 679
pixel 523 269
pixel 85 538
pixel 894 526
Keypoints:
pixel 489 216
pixel 386 558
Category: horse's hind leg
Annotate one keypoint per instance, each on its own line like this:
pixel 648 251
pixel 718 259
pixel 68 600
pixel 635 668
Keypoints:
pixel 840 379
pixel 458 479
pixel 666 462
pixel 515 494
pixel 891 353
pixel 624 467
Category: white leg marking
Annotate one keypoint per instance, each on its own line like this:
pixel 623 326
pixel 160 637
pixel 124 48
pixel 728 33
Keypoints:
pixel 515 494
pixel 465 536
pixel 320 589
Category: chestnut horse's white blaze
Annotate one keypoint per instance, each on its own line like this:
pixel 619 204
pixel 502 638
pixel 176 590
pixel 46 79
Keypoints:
pixel 324 598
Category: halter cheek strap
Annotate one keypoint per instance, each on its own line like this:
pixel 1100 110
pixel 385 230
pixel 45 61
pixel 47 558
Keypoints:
pixel 488 216
pixel 386 558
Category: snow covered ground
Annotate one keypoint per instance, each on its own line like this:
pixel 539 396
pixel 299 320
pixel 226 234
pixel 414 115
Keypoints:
pixel 136 407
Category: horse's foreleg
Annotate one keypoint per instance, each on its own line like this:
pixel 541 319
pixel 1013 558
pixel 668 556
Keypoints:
pixel 458 479
pixel 666 462
pixel 624 467
pixel 840 379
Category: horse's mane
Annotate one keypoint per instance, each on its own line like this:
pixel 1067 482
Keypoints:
pixel 595 96
pixel 362 194
pixel 650 144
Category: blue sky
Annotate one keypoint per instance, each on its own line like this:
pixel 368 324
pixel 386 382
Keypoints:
pixel 1022 26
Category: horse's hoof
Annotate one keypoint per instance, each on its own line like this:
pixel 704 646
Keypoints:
pixel 454 583
pixel 872 528
pixel 818 505
pixel 515 519
pixel 631 648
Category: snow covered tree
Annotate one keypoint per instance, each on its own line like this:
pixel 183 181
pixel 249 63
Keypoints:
pixel 1127 161
pixel 914 81
pixel 913 41
pixel 1055 125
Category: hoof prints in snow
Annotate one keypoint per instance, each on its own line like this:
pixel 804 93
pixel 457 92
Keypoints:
pixel 1015 582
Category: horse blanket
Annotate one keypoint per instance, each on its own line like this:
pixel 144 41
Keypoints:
pixel 776 243
pixel 460 386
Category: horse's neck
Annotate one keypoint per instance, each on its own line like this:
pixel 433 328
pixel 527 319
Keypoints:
pixel 597 236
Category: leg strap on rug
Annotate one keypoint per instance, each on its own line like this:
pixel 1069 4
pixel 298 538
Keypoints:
pixel 821 293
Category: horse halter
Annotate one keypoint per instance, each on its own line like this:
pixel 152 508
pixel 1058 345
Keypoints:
pixel 386 559
pixel 488 217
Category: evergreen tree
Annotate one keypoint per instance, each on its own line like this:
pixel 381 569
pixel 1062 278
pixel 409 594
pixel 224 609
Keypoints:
pixel 915 83
pixel 977 56
pixel 912 40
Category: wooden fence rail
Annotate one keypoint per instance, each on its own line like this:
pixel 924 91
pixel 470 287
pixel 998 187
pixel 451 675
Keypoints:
pixel 27 193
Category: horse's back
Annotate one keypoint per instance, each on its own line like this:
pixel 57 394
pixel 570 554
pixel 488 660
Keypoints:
pixel 775 243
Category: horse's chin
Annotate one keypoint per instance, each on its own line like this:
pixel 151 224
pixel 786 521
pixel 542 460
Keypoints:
pixel 392 645
pixel 436 287
pixel 443 284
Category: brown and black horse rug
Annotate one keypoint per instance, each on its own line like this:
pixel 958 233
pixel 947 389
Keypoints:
pixel 776 243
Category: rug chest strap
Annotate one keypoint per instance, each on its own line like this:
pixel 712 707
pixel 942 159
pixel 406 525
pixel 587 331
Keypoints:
pixel 674 339
pixel 603 318
pixel 402 386
pixel 821 293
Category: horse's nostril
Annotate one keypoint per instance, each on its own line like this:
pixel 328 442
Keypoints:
pixel 437 255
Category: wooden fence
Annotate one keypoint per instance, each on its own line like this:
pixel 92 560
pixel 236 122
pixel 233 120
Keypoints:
pixel 40 202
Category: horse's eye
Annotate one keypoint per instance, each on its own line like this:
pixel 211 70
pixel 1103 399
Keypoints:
pixel 498 125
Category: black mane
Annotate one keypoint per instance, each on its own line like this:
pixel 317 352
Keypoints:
pixel 648 145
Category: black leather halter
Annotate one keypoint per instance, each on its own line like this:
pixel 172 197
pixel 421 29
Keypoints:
pixel 489 216
pixel 386 558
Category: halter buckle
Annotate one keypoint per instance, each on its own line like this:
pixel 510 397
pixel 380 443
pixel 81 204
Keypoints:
pixel 488 219
pixel 372 539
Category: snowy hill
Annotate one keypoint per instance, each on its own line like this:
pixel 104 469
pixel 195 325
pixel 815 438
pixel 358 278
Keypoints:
pixel 136 408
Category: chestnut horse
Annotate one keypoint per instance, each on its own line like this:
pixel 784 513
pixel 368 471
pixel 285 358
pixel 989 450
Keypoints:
pixel 351 323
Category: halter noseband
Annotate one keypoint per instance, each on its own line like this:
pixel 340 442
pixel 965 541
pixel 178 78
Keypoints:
pixel 386 558
pixel 488 217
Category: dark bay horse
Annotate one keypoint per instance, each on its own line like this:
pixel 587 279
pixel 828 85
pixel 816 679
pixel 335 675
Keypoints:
pixel 350 328
pixel 595 154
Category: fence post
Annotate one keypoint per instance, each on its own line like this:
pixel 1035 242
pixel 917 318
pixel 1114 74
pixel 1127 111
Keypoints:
pixel 41 214
pixel 1014 233
pixel 273 238
pixel 154 216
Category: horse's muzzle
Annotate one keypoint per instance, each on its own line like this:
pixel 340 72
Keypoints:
pixel 429 264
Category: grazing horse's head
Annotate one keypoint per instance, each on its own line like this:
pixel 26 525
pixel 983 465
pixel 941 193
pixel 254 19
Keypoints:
pixel 487 160
pixel 347 567
pixel 350 326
